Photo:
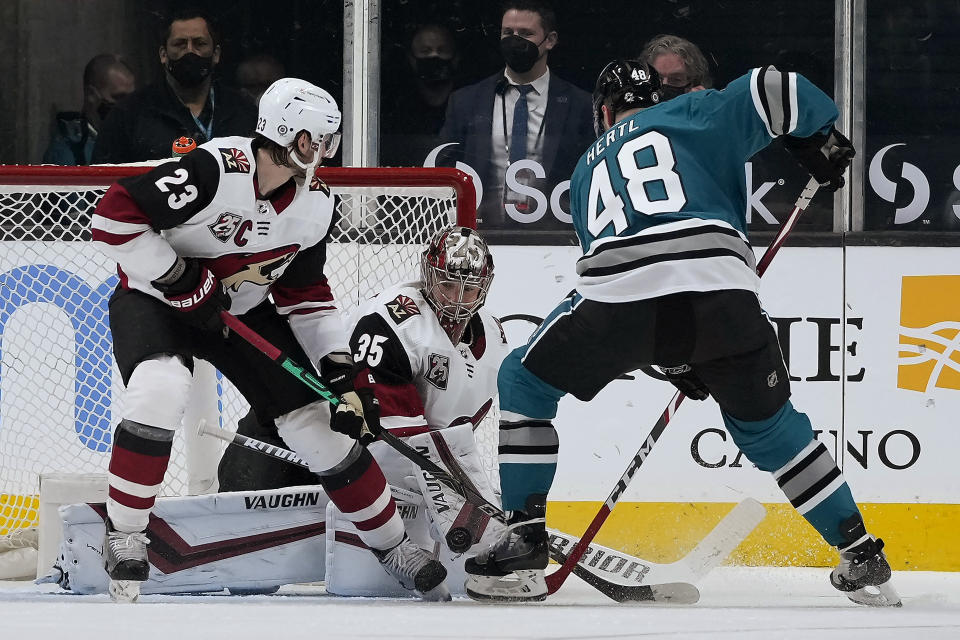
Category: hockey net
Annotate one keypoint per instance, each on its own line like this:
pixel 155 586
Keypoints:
pixel 60 393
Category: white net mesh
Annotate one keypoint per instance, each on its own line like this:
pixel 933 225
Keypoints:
pixel 60 393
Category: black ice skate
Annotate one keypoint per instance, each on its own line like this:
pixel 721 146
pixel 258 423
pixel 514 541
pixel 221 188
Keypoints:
pixel 414 569
pixel 125 559
pixel 864 573
pixel 512 568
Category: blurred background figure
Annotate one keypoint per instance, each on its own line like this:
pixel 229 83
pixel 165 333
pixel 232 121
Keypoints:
pixel 107 79
pixel 257 72
pixel 682 66
pixel 186 101
pixel 412 109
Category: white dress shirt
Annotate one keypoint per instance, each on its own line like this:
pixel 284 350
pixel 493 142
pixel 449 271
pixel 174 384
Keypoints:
pixel 536 108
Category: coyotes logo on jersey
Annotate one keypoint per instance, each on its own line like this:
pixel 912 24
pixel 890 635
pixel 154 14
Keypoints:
pixel 261 269
pixel 225 225
pixel 402 308
pixel 234 160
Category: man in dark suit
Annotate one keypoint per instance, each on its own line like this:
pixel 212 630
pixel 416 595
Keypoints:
pixel 522 129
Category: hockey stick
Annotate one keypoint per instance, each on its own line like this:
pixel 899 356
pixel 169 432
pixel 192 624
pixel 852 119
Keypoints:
pixel 401 447
pixel 619 576
pixel 556 579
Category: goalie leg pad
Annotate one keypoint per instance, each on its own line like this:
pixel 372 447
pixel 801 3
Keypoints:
pixel 250 541
pixel 352 570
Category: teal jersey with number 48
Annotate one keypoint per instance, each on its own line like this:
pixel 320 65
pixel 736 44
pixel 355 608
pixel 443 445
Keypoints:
pixel 659 201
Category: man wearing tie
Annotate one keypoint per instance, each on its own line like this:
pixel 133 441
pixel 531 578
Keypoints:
pixel 524 112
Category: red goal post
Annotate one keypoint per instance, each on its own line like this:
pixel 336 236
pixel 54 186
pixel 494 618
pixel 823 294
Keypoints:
pixel 60 394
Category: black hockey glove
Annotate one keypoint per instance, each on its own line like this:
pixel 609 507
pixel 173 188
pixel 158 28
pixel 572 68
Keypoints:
pixel 358 416
pixel 336 369
pixel 688 382
pixel 192 289
pixel 826 157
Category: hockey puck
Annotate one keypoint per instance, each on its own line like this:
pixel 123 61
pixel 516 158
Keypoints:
pixel 459 539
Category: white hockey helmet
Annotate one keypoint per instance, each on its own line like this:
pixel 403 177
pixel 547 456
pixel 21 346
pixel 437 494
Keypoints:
pixel 291 105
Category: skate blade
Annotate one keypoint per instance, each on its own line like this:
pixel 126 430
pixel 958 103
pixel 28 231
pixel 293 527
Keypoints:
pixel 124 591
pixel 883 595
pixel 526 585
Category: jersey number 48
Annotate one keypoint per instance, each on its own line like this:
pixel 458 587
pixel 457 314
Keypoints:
pixel 605 206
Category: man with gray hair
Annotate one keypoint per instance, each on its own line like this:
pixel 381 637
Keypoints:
pixel 680 63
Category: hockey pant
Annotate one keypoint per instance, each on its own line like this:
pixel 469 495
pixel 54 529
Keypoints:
pixel 257 541
pixel 582 345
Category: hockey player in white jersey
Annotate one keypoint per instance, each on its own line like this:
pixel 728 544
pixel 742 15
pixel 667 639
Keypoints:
pixel 429 353
pixel 233 222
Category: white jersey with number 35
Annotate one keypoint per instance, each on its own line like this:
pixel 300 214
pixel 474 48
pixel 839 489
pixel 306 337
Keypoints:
pixel 419 377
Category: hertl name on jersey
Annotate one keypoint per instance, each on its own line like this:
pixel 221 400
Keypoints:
pixel 310 499
pixel 612 135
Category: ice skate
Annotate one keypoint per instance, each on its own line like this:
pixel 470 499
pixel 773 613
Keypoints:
pixel 864 574
pixel 125 559
pixel 415 570
pixel 512 568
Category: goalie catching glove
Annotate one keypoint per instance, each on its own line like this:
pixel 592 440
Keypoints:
pixel 826 157
pixel 196 292
pixel 358 414
pixel 688 382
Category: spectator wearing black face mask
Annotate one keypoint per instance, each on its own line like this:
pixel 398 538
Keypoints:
pixel 186 101
pixel 525 112
pixel 414 101
pixel 107 79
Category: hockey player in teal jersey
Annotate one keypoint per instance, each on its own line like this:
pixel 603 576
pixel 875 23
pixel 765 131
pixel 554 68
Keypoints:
pixel 658 203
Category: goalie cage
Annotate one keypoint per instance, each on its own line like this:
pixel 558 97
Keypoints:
pixel 60 392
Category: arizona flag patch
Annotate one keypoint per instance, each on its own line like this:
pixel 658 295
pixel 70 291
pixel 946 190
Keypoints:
pixel 234 160
pixel 401 308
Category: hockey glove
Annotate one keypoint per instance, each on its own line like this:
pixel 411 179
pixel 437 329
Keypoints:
pixel 358 416
pixel 195 291
pixel 688 382
pixel 826 157
pixel 336 368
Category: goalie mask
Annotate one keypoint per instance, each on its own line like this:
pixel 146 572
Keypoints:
pixel 457 270
pixel 290 106
pixel 623 85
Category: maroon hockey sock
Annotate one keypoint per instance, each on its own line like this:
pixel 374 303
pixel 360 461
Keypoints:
pixel 137 468
pixel 361 493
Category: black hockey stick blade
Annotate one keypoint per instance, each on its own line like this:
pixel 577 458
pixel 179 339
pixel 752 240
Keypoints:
pixel 669 592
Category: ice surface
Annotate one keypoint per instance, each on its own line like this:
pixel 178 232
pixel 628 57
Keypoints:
pixel 736 602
